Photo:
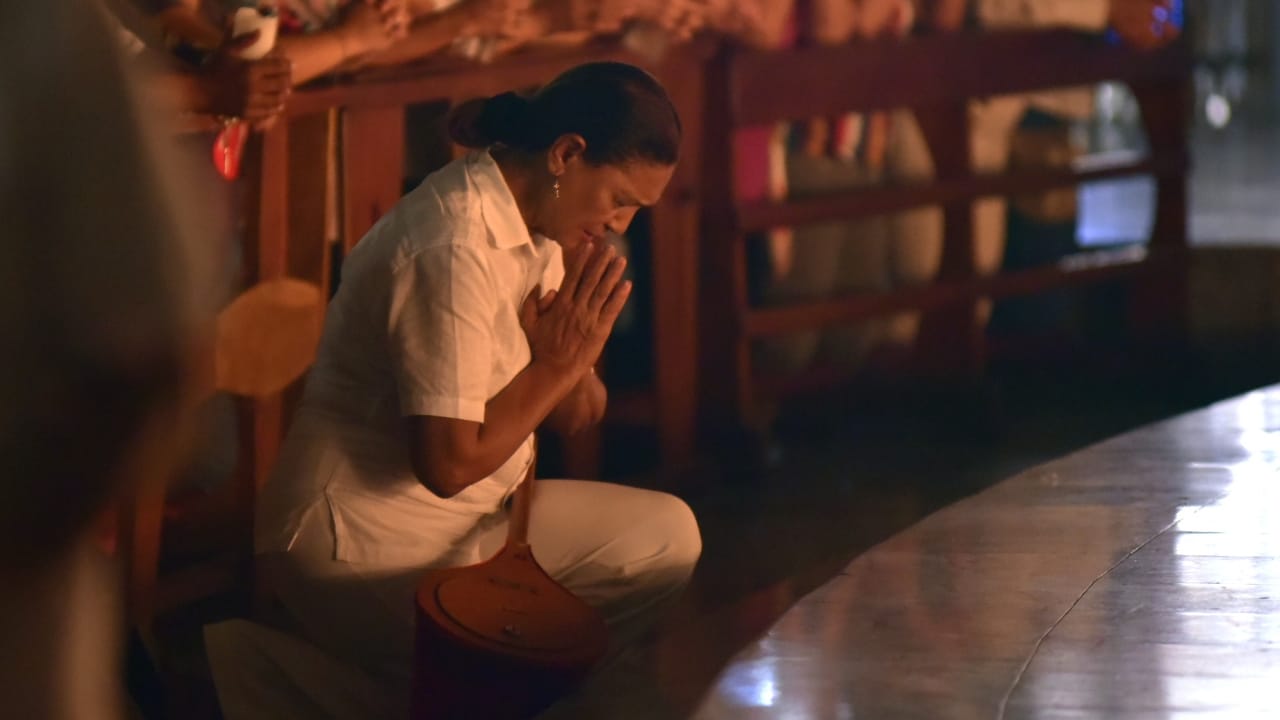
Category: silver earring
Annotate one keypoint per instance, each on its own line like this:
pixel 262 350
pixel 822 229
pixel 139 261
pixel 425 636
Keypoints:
pixel 555 187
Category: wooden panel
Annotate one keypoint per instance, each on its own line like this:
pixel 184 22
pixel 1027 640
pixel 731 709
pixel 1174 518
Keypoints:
pixel 266 236
pixel 632 407
pixel 951 340
pixel 261 419
pixel 724 368
pixel 310 157
pixel 674 243
pixel 372 167
pixel 313 214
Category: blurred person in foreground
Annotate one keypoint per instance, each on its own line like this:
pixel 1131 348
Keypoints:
pixel 101 306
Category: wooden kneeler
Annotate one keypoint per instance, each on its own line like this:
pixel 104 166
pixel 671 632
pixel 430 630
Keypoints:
pixel 500 639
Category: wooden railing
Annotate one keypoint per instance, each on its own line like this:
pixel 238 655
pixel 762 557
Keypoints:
pixel 937 78
pixel 701 330
pixel 708 325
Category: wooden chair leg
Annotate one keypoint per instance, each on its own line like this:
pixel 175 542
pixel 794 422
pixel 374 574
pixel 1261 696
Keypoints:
pixel 260 421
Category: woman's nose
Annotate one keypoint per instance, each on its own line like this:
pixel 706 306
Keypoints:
pixel 620 221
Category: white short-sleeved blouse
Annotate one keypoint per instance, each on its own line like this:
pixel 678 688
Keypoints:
pixel 425 322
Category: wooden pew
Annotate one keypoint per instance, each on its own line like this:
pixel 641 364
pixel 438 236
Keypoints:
pixel 936 77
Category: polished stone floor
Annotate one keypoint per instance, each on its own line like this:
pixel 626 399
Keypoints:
pixel 1138 578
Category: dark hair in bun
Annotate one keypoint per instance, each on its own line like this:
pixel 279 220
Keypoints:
pixel 621 111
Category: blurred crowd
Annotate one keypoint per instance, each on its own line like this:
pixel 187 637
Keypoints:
pixel 196 50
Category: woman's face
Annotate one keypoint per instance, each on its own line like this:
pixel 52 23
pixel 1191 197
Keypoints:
pixel 598 199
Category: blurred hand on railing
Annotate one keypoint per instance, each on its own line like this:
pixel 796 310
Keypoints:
pixel 758 23
pixel 833 22
pixel 600 16
pixel 886 18
pixel 944 15
pixel 372 26
pixel 396 16
pixel 498 18
pixel 253 91
pixel 679 18
pixel 1144 24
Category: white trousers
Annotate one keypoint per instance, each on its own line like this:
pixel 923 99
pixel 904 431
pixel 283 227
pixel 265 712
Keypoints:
pixel 625 551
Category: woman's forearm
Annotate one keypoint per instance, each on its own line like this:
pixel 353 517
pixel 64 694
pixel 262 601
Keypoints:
pixel 582 408
pixel 449 455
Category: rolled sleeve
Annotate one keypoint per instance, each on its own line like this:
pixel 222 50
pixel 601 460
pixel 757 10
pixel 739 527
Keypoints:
pixel 441 332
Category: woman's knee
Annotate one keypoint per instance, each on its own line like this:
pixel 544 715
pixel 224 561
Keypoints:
pixel 684 538
pixel 666 543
